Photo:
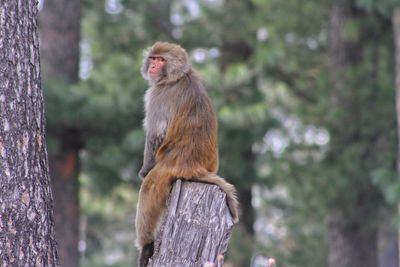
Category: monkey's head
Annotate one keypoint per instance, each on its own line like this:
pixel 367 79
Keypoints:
pixel 165 63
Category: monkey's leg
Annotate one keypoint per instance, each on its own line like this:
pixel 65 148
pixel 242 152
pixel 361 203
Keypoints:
pixel 153 196
pixel 145 254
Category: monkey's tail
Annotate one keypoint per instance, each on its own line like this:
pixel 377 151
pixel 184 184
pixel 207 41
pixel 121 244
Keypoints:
pixel 229 189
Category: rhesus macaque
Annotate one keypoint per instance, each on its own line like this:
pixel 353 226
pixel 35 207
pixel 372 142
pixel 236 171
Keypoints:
pixel 181 139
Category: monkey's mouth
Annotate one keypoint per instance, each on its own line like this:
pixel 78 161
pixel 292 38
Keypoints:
pixel 152 72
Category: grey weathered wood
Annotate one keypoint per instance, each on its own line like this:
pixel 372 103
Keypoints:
pixel 196 228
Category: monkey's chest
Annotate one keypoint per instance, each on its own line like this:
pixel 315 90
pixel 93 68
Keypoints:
pixel 161 107
pixel 157 119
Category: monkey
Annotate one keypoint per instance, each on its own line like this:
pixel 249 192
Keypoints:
pixel 181 139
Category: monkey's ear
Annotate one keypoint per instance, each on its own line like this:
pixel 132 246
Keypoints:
pixel 177 64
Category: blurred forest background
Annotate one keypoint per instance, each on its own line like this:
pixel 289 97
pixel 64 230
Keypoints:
pixel 305 93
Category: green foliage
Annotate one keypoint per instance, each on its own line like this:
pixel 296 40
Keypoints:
pixel 266 67
pixel 389 182
pixel 384 7
pixel 107 110
pixel 241 248
pixel 107 225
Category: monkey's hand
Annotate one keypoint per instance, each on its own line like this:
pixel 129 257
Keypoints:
pixel 153 143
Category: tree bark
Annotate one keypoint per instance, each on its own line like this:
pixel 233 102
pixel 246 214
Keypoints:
pixel 60 35
pixel 352 238
pixel 26 220
pixel 196 228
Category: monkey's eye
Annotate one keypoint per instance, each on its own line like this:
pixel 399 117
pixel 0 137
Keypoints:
pixel 157 58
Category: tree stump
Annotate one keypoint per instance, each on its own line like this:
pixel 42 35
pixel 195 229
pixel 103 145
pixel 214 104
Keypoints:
pixel 196 226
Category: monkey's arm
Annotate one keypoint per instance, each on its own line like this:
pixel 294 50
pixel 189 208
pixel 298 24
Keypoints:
pixel 153 142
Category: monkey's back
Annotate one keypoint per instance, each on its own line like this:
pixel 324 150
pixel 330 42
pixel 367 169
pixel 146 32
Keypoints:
pixel 190 146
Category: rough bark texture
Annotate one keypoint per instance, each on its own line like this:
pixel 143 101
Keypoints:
pixel 396 27
pixel 60 34
pixel 196 228
pixel 26 223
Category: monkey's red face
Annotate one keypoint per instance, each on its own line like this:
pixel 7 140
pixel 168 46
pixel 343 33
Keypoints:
pixel 156 66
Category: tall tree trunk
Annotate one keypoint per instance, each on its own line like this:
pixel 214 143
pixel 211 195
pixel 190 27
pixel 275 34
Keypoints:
pixel 387 243
pixel 396 27
pixel 337 48
pixel 64 170
pixel 351 235
pixel 234 51
pixel 248 215
pixel 59 23
pixel 60 35
pixel 352 243
pixel 26 220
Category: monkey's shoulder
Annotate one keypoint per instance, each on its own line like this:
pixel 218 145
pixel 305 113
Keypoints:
pixel 192 87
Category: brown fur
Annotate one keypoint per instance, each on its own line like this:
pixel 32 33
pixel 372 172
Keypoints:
pixel 181 139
